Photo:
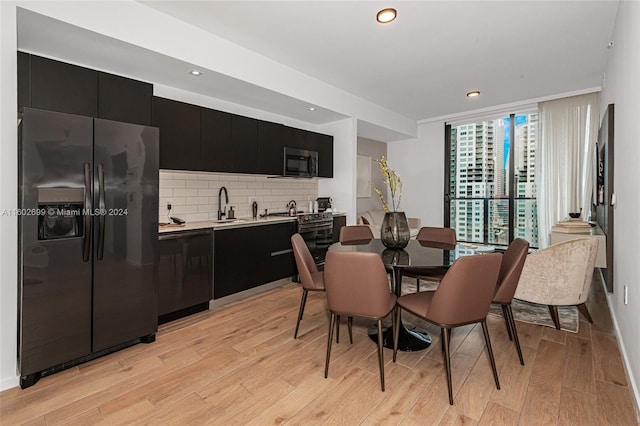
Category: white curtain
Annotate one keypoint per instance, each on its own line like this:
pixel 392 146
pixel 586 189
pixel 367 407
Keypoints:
pixel 568 134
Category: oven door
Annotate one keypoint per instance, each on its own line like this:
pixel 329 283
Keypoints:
pixel 318 236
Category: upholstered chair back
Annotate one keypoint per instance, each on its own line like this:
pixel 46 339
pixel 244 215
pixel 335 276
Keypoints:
pixel 466 290
pixel 560 274
pixel 512 263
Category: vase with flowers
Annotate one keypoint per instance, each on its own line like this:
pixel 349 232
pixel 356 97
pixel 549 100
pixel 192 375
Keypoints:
pixel 395 227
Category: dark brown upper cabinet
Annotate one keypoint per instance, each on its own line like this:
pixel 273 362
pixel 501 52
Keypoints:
pixel 197 138
pixel 179 125
pixel 325 155
pixel 216 142
pixel 272 138
pixel 244 141
pixel 58 86
pixel 62 87
pixel 124 99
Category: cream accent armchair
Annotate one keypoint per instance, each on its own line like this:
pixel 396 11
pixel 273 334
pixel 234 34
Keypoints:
pixel 559 275
pixel 374 218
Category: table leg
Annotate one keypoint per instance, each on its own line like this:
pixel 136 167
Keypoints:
pixel 408 340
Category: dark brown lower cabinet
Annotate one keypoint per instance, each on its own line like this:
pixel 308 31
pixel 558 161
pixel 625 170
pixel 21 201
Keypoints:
pixel 251 256
pixel 185 273
pixel 338 222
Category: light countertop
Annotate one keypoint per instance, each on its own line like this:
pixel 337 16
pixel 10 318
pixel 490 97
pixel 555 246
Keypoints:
pixel 237 223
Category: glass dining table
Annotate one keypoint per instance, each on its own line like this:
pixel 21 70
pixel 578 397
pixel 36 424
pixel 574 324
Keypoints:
pixel 418 256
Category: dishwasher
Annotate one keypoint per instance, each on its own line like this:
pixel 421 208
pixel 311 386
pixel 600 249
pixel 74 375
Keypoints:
pixel 184 273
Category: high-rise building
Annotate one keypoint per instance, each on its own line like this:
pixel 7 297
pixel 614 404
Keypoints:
pixel 479 180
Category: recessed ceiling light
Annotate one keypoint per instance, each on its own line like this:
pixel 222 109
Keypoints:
pixel 386 15
pixel 195 72
pixel 473 94
pixel 312 108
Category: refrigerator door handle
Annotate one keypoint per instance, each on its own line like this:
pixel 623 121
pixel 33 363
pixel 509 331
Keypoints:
pixel 102 212
pixel 86 249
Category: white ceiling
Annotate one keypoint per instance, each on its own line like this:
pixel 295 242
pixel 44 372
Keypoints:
pixel 420 66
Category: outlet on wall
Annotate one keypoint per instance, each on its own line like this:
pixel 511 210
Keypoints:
pixel 168 206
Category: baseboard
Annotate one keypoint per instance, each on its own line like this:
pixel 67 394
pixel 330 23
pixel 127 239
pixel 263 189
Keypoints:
pixel 248 293
pixel 9 382
pixel 623 351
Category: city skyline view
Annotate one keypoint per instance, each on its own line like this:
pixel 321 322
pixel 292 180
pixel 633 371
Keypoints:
pixel 480 180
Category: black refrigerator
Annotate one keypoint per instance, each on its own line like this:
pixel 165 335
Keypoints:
pixel 88 222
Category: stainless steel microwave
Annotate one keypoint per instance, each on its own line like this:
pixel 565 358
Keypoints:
pixel 300 162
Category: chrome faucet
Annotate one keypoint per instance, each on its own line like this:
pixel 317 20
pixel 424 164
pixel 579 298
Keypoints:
pixel 221 212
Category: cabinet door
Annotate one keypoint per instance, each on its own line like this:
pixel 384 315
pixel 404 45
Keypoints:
pixel 303 139
pixel 24 81
pixel 248 257
pixel 325 155
pixel 215 139
pixel 236 260
pixel 338 222
pixel 185 270
pixel 58 86
pixel 124 99
pixel 179 125
pixel 244 136
pixel 277 252
pixel 272 138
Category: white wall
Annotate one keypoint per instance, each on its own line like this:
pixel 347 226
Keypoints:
pixel 375 150
pixel 420 164
pixel 623 89
pixel 342 188
pixel 8 196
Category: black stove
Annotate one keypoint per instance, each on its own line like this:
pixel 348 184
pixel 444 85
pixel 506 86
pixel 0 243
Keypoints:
pixel 304 218
pixel 317 231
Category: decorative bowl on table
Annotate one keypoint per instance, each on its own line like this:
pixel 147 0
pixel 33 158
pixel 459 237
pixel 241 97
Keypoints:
pixel 574 215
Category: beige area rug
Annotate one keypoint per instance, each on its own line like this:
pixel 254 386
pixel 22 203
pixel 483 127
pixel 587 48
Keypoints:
pixel 522 311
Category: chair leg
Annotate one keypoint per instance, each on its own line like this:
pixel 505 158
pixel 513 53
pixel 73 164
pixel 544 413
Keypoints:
pixel 447 361
pixel 553 310
pixel 448 339
pixel 396 329
pixel 514 332
pixel 417 285
pixel 585 312
pixel 350 326
pixel 485 330
pixel 380 355
pixel 332 323
pixel 505 315
pixel 338 329
pixel 301 311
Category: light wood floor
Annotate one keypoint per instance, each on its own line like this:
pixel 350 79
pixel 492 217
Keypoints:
pixel 239 364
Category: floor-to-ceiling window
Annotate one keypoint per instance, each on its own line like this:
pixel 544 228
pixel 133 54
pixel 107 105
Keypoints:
pixel 490 191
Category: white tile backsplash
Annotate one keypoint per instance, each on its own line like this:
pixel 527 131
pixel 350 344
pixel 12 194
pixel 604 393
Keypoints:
pixel 194 195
